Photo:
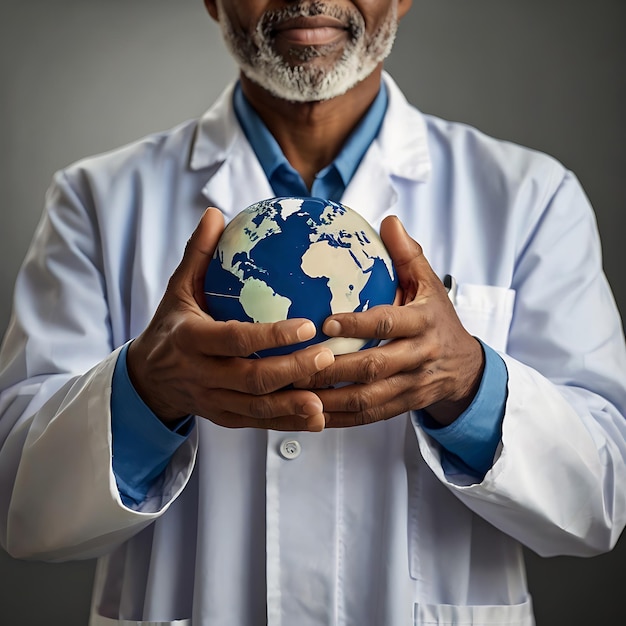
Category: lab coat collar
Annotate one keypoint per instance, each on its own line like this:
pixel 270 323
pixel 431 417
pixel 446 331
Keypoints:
pixel 403 138
pixel 221 147
pixel 399 151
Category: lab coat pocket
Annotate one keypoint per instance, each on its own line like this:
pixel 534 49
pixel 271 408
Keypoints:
pixel 486 311
pixel 449 615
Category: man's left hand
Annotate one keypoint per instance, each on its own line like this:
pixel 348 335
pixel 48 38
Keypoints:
pixel 429 361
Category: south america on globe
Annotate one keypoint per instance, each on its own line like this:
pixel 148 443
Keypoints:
pixel 284 258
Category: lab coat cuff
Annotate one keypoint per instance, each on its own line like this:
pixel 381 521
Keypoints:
pixel 143 446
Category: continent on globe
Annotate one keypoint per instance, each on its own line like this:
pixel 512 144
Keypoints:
pixel 299 257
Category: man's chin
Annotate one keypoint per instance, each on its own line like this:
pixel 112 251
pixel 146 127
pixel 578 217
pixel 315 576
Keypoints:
pixel 315 85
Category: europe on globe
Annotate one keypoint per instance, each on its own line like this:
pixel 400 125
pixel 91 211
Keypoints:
pixel 283 258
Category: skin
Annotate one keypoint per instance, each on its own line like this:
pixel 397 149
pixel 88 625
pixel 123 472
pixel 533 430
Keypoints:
pixel 187 363
pixel 311 134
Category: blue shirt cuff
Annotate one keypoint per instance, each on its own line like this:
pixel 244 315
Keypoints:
pixel 142 444
pixel 471 441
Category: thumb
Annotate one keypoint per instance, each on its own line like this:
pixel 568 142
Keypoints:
pixel 189 274
pixel 412 267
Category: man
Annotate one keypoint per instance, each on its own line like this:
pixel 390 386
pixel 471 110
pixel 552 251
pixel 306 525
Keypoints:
pixel 464 449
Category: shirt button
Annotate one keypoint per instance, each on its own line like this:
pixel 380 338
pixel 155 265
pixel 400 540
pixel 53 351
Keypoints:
pixel 290 449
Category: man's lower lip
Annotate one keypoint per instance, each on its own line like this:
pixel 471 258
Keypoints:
pixel 311 36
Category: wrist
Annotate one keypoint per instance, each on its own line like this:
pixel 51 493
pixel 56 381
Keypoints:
pixel 137 367
pixel 447 410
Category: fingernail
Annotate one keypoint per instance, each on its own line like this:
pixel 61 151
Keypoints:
pixel 306 331
pixel 332 328
pixel 324 359
pixel 316 423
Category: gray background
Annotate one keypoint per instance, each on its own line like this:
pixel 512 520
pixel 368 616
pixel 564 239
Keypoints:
pixel 82 76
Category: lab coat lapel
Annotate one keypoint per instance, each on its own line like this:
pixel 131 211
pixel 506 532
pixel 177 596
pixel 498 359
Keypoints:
pixel 235 178
pixel 371 191
pixel 398 157
pixel 239 182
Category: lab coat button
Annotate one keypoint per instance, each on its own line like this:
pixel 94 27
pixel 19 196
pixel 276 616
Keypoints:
pixel 290 449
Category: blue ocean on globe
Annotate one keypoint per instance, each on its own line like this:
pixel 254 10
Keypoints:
pixel 299 257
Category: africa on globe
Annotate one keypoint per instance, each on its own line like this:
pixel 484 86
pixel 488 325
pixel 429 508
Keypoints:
pixel 284 258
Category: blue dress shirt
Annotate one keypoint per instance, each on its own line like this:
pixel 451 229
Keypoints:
pixel 329 183
pixel 143 445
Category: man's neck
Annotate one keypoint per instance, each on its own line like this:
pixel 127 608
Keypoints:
pixel 311 134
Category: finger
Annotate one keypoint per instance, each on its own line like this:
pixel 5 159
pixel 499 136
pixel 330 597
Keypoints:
pixel 380 322
pixel 366 366
pixel 263 376
pixel 290 402
pixel 291 423
pixel 354 405
pixel 408 258
pixel 234 338
pixel 198 253
pixel 286 410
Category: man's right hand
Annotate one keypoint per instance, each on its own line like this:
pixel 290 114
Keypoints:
pixel 185 362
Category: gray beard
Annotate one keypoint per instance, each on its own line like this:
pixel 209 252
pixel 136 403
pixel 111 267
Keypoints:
pixel 302 82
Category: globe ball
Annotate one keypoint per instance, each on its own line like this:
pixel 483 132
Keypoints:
pixel 294 257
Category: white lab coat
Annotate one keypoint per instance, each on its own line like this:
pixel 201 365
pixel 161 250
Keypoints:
pixel 364 526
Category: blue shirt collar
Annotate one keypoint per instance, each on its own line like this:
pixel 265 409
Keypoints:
pixel 332 181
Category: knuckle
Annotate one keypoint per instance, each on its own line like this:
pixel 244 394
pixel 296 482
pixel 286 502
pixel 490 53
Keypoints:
pixel 359 401
pixel 281 335
pixel 373 366
pixel 238 339
pixel 430 354
pixel 384 326
pixel 255 382
pixel 262 408
pixel 366 417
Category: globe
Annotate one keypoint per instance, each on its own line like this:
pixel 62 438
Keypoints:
pixel 283 258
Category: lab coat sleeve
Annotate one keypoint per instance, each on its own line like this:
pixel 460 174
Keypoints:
pixel 558 481
pixel 58 495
